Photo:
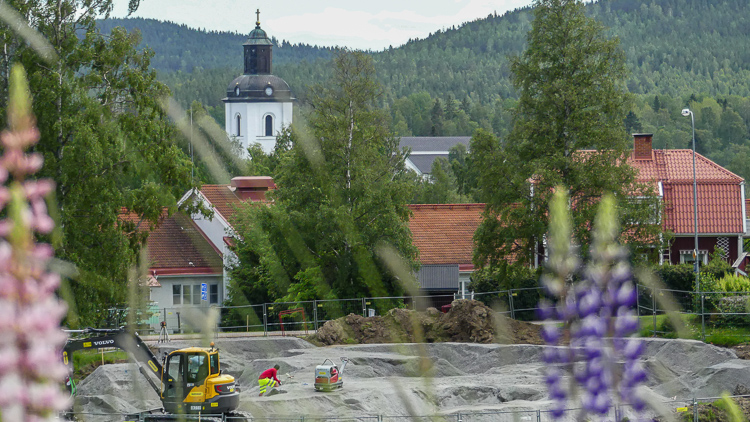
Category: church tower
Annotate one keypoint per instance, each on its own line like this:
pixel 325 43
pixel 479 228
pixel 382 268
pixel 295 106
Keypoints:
pixel 258 104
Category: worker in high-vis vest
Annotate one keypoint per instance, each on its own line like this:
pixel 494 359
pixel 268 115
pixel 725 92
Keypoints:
pixel 268 379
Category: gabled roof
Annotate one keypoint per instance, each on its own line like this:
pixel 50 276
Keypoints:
pixel 433 143
pixel 424 162
pixel 226 198
pixel 223 199
pixel 676 165
pixel 444 234
pixel 719 191
pixel 178 246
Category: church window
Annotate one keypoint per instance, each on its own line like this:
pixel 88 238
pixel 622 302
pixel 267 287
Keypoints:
pixel 269 126
pixel 239 125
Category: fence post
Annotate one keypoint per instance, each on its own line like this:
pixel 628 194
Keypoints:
pixel 510 304
pixel 315 314
pixel 695 410
pixel 265 321
pixel 617 413
pixel 538 416
pixel 703 318
pixel 653 309
pixel 637 300
pixel 459 418
pixel 364 307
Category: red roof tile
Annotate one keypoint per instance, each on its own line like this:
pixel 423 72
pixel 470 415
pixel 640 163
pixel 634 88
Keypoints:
pixel 719 208
pixel 178 246
pixel 226 198
pixel 719 191
pixel 223 199
pixel 444 233
pixel 676 165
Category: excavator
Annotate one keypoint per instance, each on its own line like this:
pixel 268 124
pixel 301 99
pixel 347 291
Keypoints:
pixel 190 379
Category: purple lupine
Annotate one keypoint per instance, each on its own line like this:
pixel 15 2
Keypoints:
pixel 31 371
pixel 599 313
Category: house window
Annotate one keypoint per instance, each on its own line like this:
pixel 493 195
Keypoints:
pixel 269 126
pixel 722 245
pixel 176 294
pixel 239 125
pixel 196 294
pixel 686 256
pixel 187 298
pixel 190 294
pixel 213 294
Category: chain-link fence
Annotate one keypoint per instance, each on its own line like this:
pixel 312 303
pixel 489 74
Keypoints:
pixel 684 410
pixel 278 317
pixel 711 311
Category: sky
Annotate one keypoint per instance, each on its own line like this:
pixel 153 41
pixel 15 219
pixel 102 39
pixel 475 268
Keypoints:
pixel 373 25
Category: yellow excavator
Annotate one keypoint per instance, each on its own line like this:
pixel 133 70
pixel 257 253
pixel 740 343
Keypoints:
pixel 191 380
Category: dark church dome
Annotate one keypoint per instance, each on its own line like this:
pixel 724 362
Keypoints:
pixel 258 37
pixel 258 88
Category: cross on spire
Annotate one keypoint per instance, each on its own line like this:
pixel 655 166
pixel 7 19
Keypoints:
pixel 257 19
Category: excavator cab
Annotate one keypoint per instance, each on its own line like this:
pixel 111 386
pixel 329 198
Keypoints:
pixel 193 383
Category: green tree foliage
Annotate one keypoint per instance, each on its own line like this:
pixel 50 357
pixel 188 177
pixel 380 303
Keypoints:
pixel 105 141
pixel 571 99
pixel 342 193
pixel 440 187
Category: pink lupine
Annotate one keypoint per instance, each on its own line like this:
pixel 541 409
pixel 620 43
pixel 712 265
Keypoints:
pixel 31 371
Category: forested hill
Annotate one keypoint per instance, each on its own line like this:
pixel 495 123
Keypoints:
pixel 672 47
pixel 181 48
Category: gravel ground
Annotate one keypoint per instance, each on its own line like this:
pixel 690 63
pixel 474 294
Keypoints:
pixel 414 379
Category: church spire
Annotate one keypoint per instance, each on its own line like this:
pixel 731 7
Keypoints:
pixel 258 51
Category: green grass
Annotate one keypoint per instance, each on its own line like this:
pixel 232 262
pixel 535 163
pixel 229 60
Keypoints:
pixel 85 361
pixel 716 333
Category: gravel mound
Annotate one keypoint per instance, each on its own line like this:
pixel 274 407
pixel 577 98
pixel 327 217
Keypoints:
pixel 468 321
pixel 115 389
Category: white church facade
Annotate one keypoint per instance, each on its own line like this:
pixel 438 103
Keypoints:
pixel 258 104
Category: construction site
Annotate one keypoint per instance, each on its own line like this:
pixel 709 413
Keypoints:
pixel 460 368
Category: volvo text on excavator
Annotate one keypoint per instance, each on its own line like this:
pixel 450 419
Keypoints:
pixel 190 379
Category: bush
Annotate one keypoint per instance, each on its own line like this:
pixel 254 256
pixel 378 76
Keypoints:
pixel 730 298
pixel 676 277
pixel 508 277
pixel 682 276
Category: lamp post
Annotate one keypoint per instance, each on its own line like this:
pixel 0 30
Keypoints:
pixel 687 112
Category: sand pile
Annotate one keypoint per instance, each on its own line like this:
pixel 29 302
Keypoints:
pixel 467 321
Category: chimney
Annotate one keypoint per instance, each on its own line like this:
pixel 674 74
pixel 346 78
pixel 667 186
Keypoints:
pixel 642 146
pixel 253 188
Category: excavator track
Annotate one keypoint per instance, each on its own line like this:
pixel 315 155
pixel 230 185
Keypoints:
pixel 157 415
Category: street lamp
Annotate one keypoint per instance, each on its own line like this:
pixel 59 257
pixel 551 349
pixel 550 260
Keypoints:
pixel 687 112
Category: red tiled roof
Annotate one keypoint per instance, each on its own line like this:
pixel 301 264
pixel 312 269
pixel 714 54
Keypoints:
pixel 719 208
pixel 719 191
pixel 226 198
pixel 177 246
pixel 676 165
pixel 444 233
pixel 223 199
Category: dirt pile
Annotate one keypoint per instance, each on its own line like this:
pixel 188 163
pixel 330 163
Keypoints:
pixel 468 321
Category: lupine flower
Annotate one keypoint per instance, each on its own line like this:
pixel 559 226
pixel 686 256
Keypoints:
pixel 31 371
pixel 598 311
